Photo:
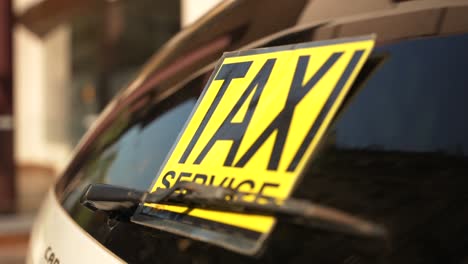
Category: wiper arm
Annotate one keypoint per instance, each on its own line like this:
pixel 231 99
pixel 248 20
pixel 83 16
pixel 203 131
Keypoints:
pixel 122 202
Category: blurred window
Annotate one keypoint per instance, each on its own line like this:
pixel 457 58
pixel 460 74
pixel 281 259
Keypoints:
pixel 109 46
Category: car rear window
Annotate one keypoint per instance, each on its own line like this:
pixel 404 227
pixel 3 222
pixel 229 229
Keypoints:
pixel 396 154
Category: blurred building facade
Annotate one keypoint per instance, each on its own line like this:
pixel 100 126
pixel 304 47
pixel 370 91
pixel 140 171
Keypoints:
pixel 70 59
pixel 7 171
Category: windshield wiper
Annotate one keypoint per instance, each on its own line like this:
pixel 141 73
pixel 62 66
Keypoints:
pixel 122 202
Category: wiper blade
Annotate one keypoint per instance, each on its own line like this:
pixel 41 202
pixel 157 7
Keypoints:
pixel 122 202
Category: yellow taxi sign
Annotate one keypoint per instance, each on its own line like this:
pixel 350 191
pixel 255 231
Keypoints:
pixel 259 120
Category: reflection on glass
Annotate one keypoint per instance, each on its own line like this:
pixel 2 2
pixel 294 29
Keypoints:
pixel 415 102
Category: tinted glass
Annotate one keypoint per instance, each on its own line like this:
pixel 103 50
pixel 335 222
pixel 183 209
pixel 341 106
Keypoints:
pixel 419 103
pixel 396 154
pixel 131 151
pixel 138 154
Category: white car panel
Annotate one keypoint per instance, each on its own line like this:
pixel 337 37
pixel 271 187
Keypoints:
pixel 56 238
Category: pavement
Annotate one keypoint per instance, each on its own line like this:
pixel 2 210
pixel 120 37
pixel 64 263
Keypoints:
pixel 32 185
